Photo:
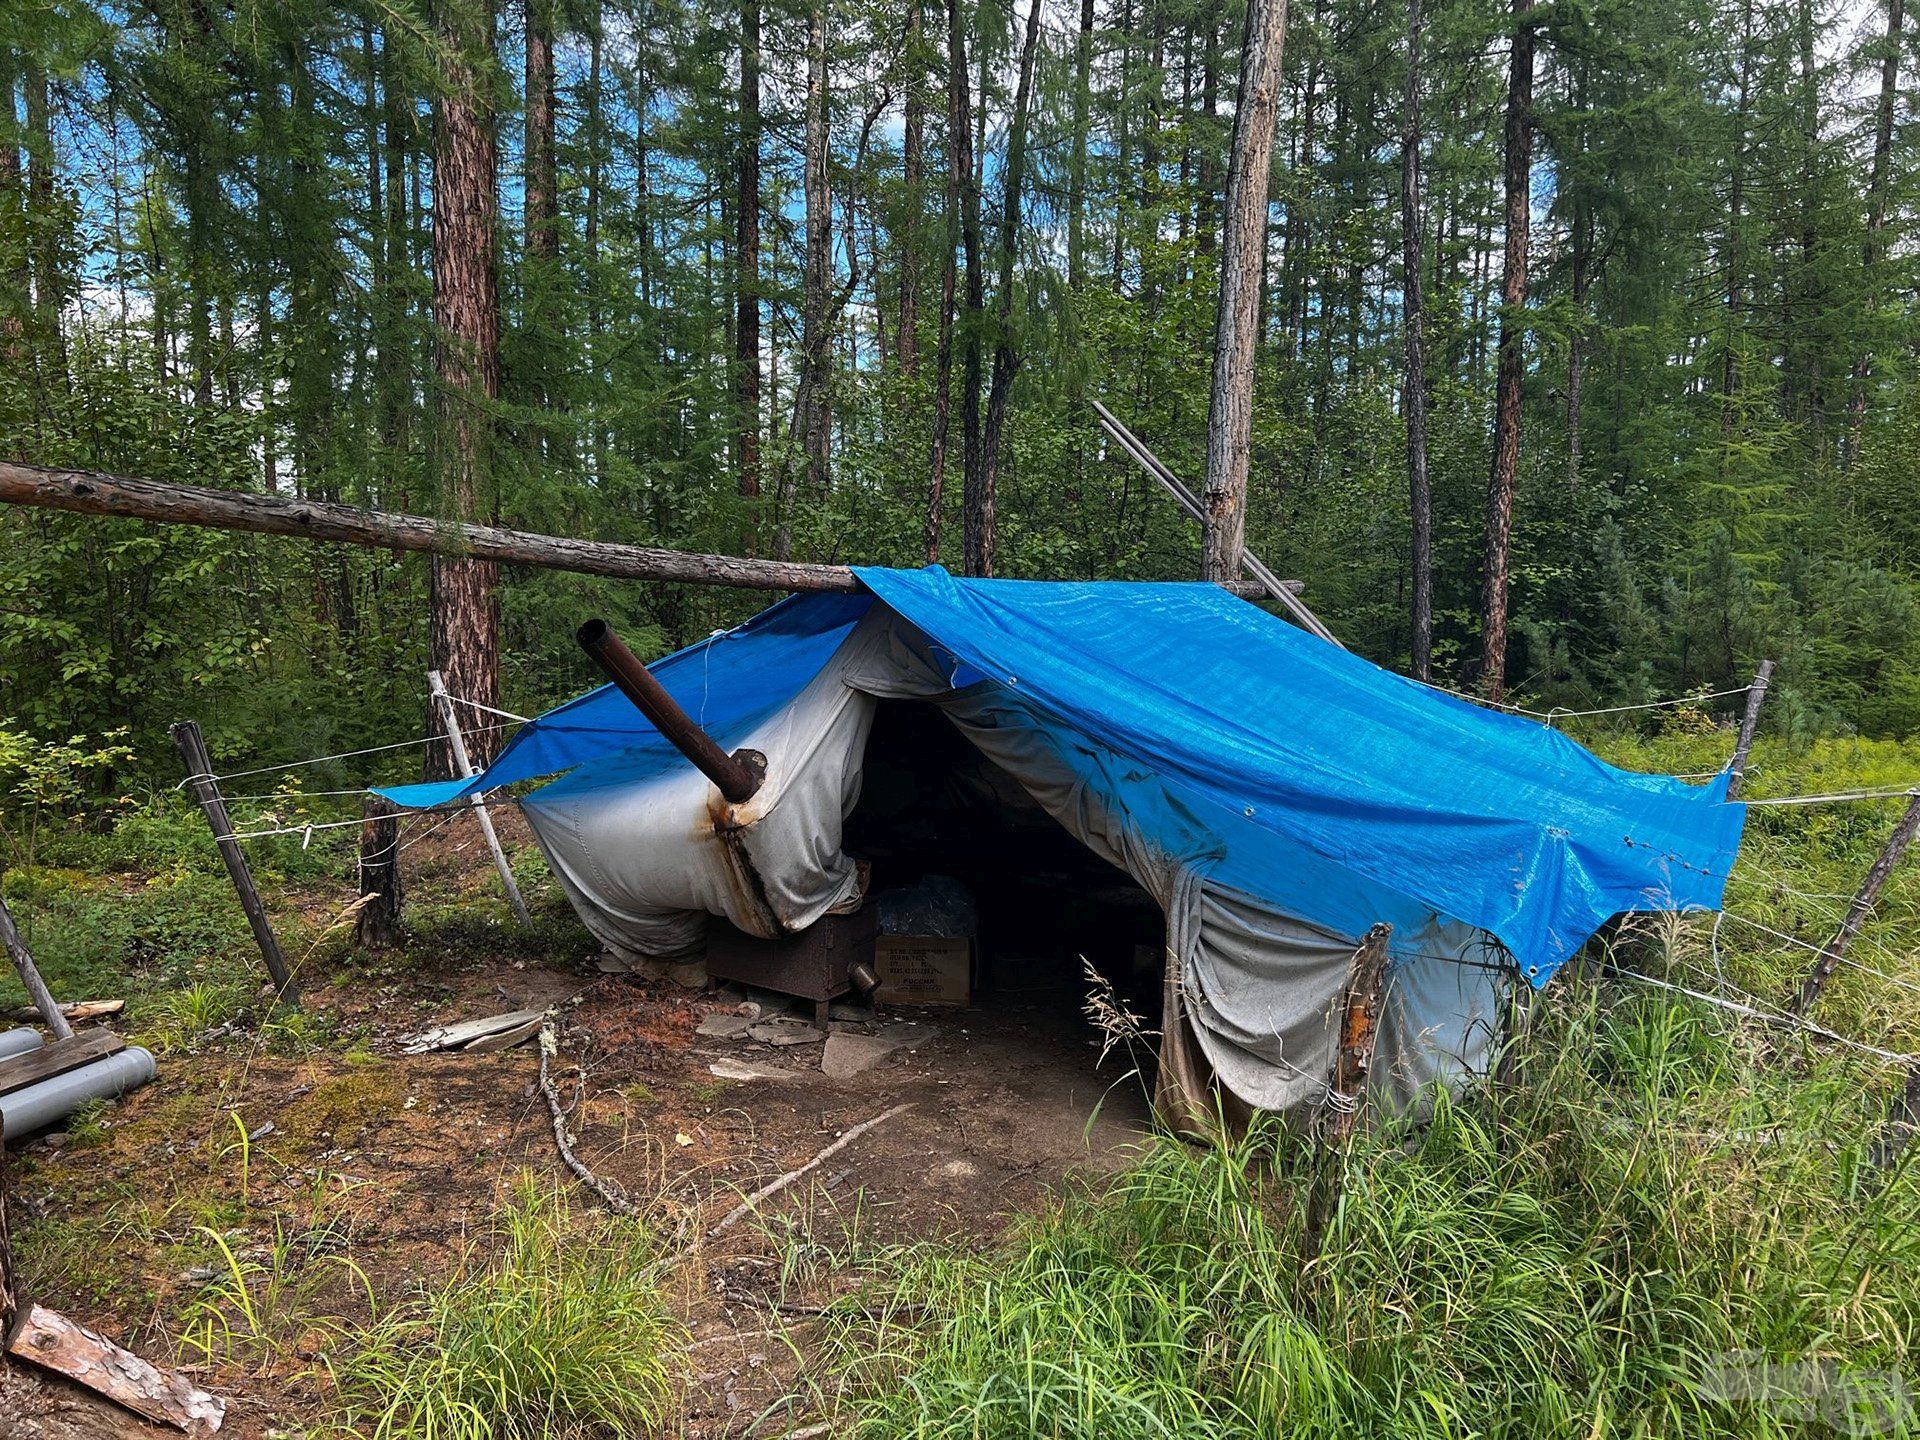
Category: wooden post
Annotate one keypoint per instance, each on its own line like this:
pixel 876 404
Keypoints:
pixel 29 973
pixel 1903 1120
pixel 444 702
pixel 1830 957
pixel 1359 1031
pixel 378 926
pixel 192 746
pixel 1756 692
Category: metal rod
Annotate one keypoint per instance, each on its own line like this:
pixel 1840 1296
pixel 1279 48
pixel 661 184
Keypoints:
pixel 1185 498
pixel 437 687
pixel 29 973
pixel 1749 722
pixel 737 775
pixel 192 746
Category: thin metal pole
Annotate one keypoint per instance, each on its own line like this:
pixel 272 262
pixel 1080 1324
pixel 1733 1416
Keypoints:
pixel 43 1000
pixel 192 746
pixel 1749 722
pixel 1186 500
pixel 458 743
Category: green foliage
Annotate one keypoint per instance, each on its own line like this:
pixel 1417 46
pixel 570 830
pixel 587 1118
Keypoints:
pixel 43 783
pixel 559 1329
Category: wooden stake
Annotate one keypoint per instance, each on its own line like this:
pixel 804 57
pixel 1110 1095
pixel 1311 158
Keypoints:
pixel 438 688
pixel 192 746
pixel 1352 1062
pixel 378 925
pixel 29 973
pixel 1836 948
pixel 1757 692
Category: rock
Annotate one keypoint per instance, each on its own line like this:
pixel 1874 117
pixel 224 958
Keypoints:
pixel 785 1032
pixel 724 1026
pixel 849 1055
pixel 747 1070
pixel 690 974
pixel 852 1014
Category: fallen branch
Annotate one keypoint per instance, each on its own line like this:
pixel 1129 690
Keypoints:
pixel 774 1187
pixel 617 1199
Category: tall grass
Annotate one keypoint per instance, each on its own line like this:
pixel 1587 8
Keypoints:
pixel 556 1328
pixel 1661 1199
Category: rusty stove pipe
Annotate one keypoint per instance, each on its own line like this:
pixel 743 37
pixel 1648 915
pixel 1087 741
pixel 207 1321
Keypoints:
pixel 737 775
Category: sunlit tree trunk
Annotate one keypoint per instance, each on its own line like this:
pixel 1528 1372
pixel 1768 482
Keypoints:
pixel 746 325
pixel 1414 383
pixel 1242 261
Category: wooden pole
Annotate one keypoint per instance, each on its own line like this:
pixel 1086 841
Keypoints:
pixel 1284 591
pixel 192 746
pixel 1352 1062
pixel 378 925
pixel 438 688
pixel 29 973
pixel 1836 948
pixel 1749 722
pixel 88 493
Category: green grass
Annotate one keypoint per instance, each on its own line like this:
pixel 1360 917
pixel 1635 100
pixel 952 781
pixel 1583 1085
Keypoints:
pixel 1664 1192
pixel 556 1329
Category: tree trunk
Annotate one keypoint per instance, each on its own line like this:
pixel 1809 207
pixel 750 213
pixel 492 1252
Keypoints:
pixel 746 219
pixel 1512 358
pixel 542 186
pixel 1077 177
pixel 816 401
pixel 1736 222
pixel 1413 293
pixel 1230 407
pixel 912 163
pixel 16 304
pixel 959 176
pixel 978 503
pixel 394 358
pixel 465 640
pixel 970 327
pixel 1874 245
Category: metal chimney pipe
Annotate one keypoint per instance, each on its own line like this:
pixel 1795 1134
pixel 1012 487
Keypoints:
pixel 737 775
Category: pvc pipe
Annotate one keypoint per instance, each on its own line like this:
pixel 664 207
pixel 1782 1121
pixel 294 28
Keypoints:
pixel 18 1042
pixel 37 1106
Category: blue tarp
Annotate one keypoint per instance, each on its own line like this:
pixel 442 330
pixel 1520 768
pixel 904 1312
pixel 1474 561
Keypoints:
pixel 1310 764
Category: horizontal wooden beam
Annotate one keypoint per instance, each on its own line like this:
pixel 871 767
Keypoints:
pixel 87 492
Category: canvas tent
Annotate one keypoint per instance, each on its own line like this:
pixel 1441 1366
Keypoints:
pixel 1275 795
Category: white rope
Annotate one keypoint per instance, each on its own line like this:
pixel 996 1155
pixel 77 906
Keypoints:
pixel 1822 951
pixel 1549 716
pixel 490 710
pixel 1770 1017
pixel 324 759
pixel 464 803
pixel 1837 797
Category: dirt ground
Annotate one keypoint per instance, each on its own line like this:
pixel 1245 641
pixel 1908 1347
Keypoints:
pixel 400 1160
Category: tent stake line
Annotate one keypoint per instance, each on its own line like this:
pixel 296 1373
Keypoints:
pixel 87 492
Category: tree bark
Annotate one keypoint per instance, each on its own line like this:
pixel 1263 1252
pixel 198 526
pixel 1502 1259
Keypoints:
pixel 746 204
pixel 912 164
pixel 980 500
pixel 970 327
pixel 1414 386
pixel 1230 407
pixel 464 643
pixel 959 176
pixel 87 492
pixel 542 185
pixel 1077 180
pixel 1874 245
pixel 1512 357
pixel 816 401
pixel 1736 221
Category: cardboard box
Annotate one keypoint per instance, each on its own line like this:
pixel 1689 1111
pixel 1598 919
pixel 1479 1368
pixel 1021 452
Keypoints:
pixel 923 970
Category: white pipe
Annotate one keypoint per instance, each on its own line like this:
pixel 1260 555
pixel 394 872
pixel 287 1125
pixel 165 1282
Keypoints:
pixel 18 1042
pixel 34 1107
